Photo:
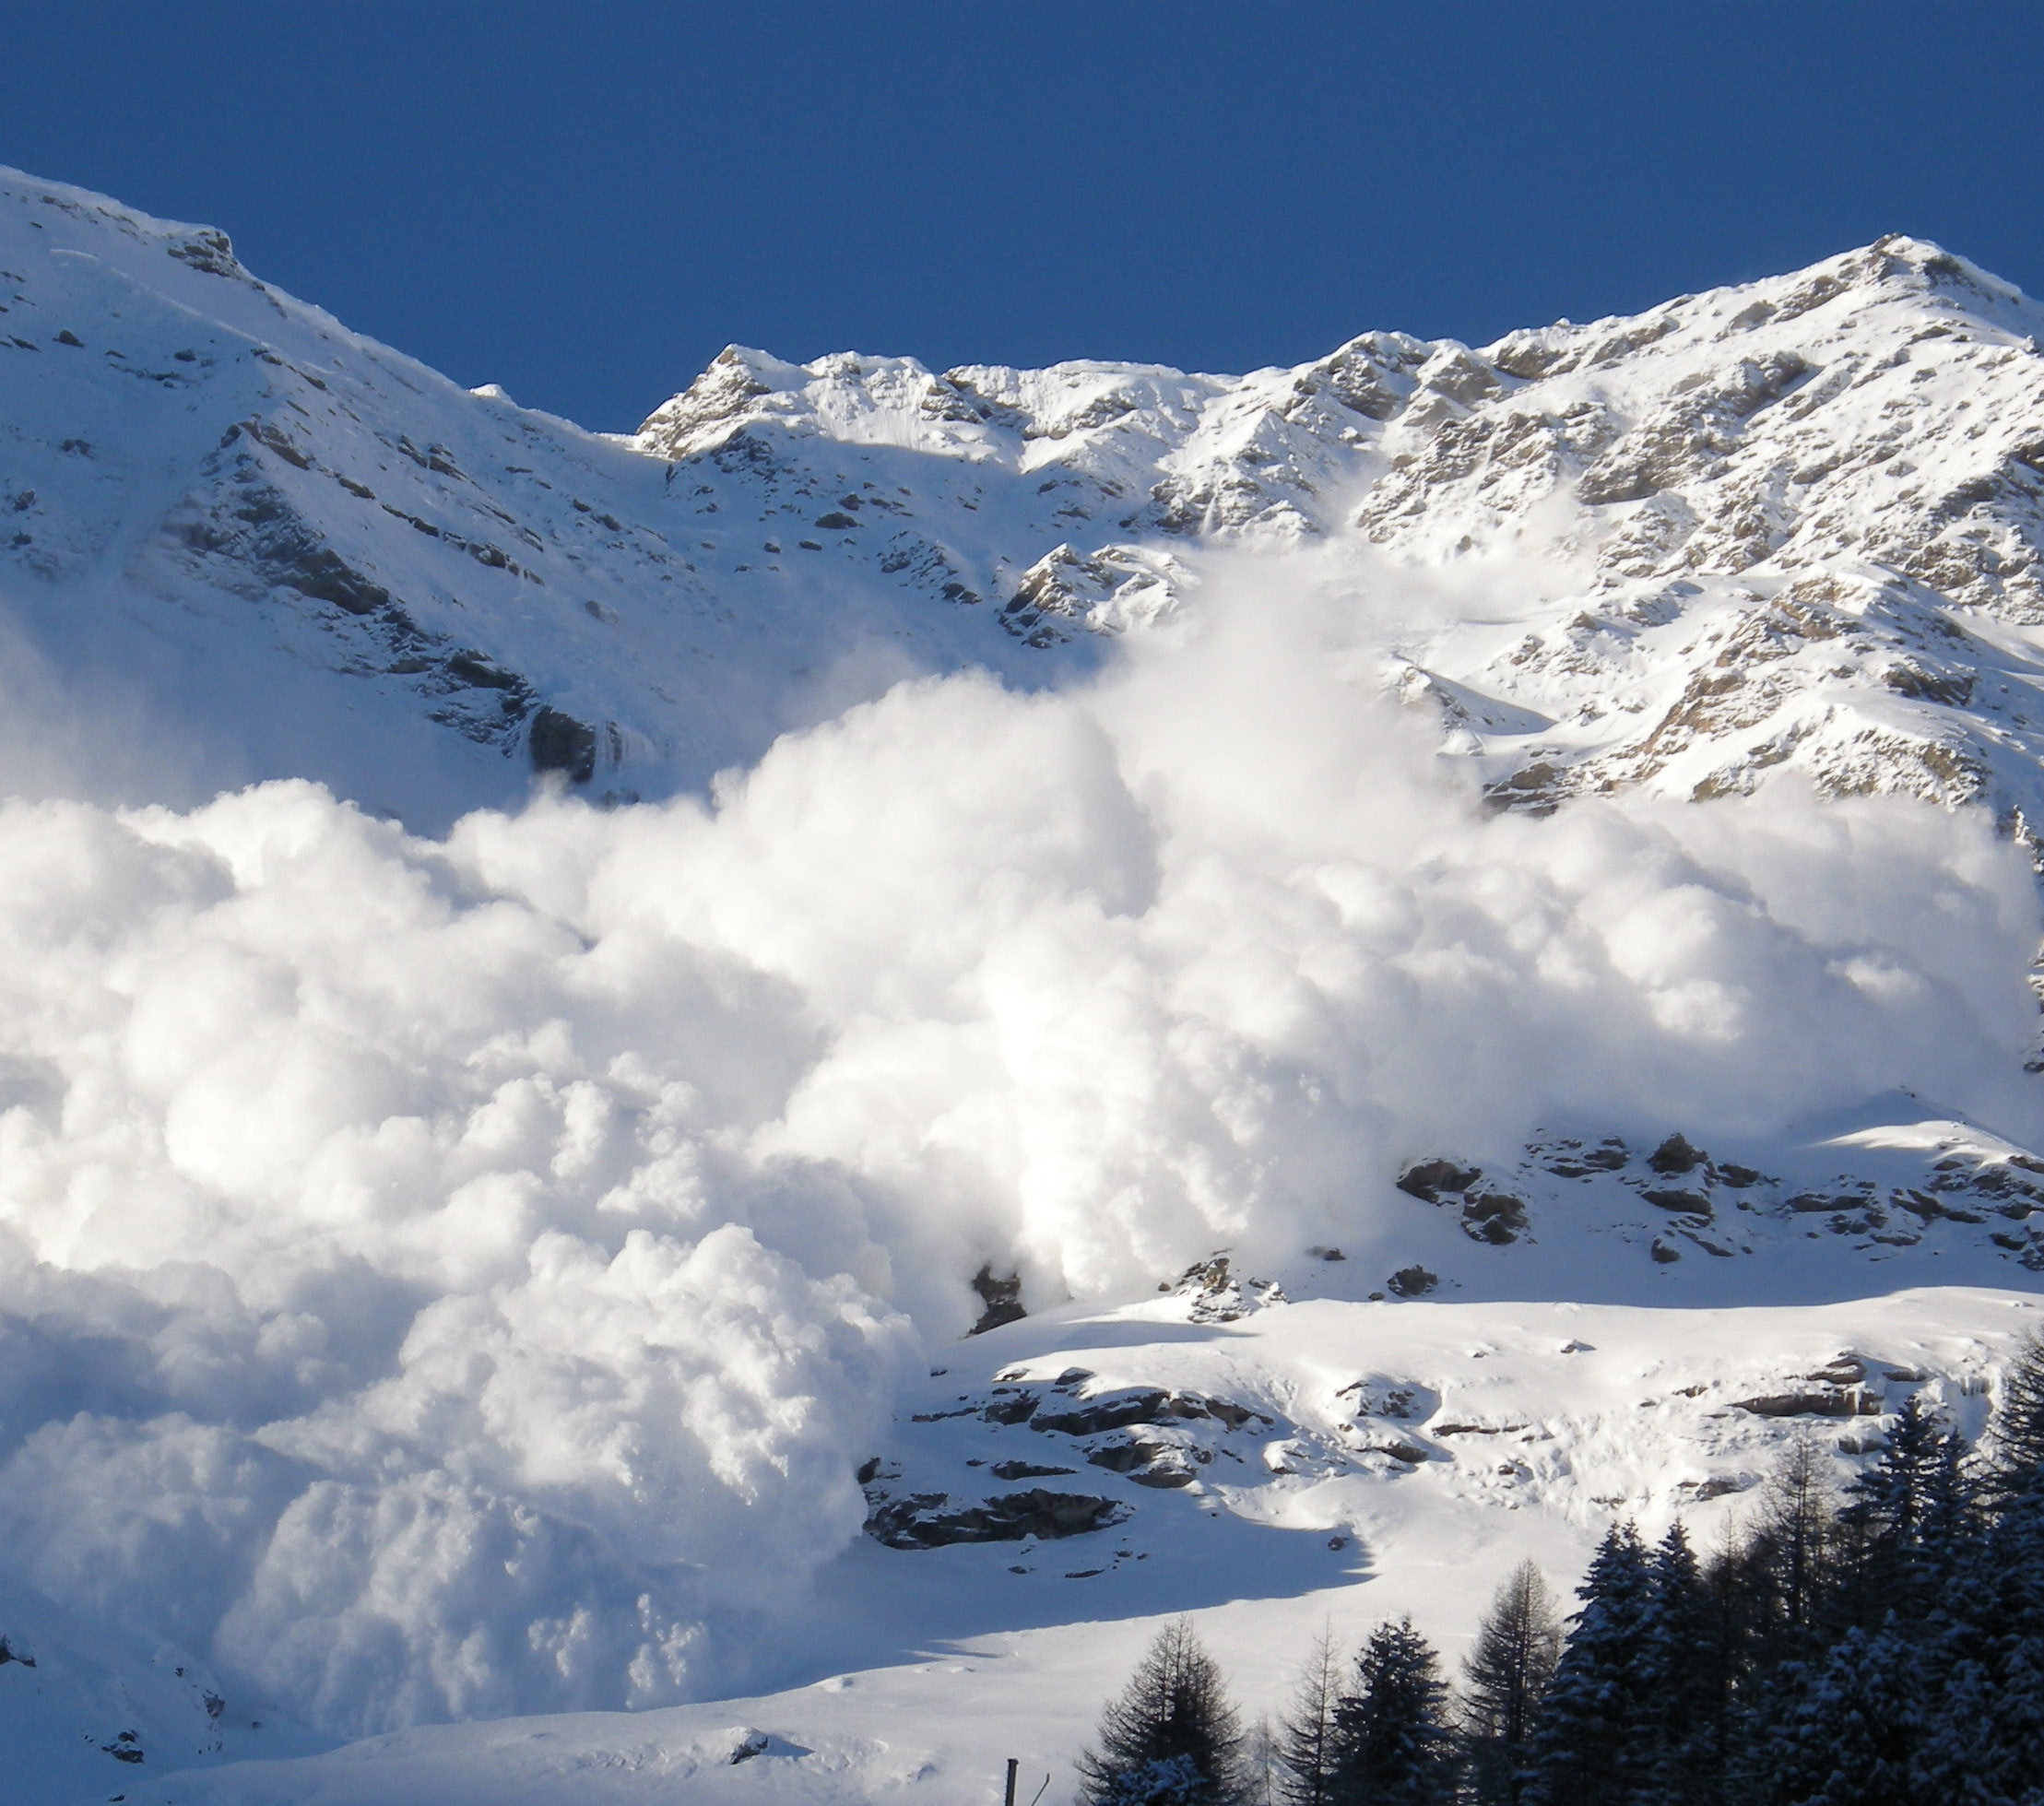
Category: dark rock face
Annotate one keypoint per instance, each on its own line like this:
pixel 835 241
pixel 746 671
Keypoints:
pixel 212 251
pixel 923 1520
pixel 1412 1454
pixel 1413 1282
pixel 1837 1390
pixel 255 525
pixel 1430 1178
pixel 1494 1216
pixel 1001 1298
pixel 561 743
pixel 1014 1470
pixel 1145 1436
pixel 1818 1401
pixel 1111 1411
pixel 244 533
pixel 1674 1156
pixel 1127 1455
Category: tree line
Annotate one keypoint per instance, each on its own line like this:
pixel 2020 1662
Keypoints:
pixel 1879 1646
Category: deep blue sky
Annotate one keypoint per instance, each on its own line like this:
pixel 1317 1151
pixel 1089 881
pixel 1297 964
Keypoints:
pixel 586 201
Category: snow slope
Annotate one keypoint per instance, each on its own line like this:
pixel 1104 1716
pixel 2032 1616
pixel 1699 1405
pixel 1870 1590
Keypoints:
pixel 1514 863
pixel 1388 1459
pixel 296 552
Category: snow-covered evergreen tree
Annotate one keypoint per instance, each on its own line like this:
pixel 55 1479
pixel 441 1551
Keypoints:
pixel 1593 1744
pixel 1855 1733
pixel 2016 1438
pixel 1153 1781
pixel 1904 1519
pixel 1989 1624
pixel 1679 1677
pixel 1172 1738
pixel 1394 1743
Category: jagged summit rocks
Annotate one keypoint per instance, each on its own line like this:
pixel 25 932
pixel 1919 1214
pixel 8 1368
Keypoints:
pixel 1799 520
pixel 1791 526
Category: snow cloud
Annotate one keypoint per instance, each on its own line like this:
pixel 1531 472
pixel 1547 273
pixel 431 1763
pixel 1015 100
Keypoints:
pixel 461 1277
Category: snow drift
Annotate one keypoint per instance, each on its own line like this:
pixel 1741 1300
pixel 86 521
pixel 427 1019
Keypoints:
pixel 460 1277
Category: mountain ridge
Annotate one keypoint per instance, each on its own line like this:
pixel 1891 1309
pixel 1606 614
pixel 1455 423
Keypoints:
pixel 1423 448
pixel 1789 525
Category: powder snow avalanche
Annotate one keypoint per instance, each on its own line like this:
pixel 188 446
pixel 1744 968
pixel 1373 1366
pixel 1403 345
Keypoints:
pixel 706 1111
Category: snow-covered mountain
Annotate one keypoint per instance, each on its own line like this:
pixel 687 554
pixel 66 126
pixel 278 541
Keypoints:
pixel 1228 886
pixel 1791 525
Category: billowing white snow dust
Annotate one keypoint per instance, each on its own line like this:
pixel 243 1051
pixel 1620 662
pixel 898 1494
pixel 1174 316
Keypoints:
pixel 455 1277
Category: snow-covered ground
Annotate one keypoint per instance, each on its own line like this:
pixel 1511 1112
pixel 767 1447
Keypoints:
pixel 1399 1458
pixel 1456 925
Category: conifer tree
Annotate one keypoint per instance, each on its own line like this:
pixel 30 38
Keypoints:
pixel 1795 1537
pixel 1891 1546
pixel 1963 1742
pixel 1787 1570
pixel 2015 1440
pixel 1306 1741
pixel 1680 1677
pixel 1504 1678
pixel 1263 1764
pixel 1394 1743
pixel 1592 1746
pixel 1740 1593
pixel 1989 1655
pixel 1951 1522
pixel 1890 1495
pixel 1855 1734
pixel 1172 1738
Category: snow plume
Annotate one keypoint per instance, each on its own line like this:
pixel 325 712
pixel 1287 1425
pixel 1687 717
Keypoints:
pixel 456 1278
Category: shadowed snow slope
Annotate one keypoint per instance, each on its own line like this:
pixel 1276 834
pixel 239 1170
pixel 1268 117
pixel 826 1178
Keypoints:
pixel 1262 875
